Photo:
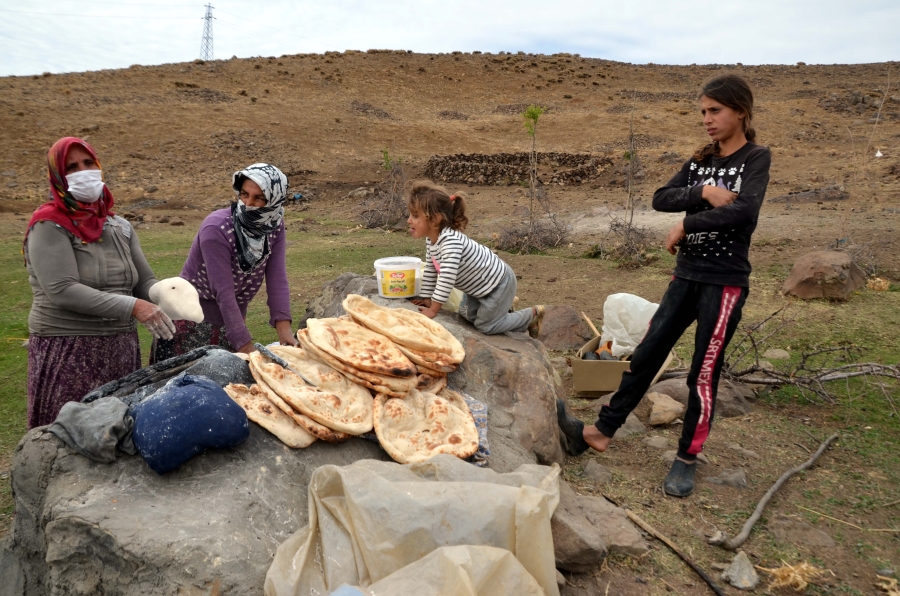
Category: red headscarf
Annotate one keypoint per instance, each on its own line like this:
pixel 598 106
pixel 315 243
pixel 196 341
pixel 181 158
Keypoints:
pixel 84 220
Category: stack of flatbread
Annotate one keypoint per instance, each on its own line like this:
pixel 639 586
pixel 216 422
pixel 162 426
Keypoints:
pixel 298 413
pixel 364 356
pixel 433 349
pixel 400 355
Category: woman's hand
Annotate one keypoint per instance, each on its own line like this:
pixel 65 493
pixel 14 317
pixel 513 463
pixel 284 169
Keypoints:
pixel 426 302
pixel 154 319
pixel 247 348
pixel 432 309
pixel 676 235
pixel 285 334
pixel 717 196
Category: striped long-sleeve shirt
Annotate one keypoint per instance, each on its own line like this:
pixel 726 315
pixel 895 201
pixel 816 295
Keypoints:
pixel 464 264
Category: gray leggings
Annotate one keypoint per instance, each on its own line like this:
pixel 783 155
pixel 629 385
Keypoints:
pixel 490 314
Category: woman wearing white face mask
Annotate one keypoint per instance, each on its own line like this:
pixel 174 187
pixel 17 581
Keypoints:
pixel 235 250
pixel 90 282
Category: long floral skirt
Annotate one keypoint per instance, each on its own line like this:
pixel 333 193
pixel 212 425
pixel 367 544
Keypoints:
pixel 64 368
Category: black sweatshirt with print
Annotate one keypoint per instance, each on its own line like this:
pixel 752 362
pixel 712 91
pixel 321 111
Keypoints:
pixel 717 244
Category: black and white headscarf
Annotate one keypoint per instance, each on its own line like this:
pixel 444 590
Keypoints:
pixel 253 226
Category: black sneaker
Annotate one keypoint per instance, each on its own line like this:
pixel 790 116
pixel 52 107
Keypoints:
pixel 572 429
pixel 679 481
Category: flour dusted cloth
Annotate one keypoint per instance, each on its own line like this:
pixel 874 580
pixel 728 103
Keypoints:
pixel 372 518
pixel 185 418
pixel 96 430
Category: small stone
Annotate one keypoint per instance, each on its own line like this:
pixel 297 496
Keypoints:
pixel 717 539
pixel 11 184
pixel 741 573
pixel 151 189
pixel 719 566
pixel 744 452
pixel 359 193
pixel 521 211
pixel 164 219
pixel 765 365
pixel 656 442
pixel 632 426
pixel 560 580
pixel 175 222
pixel 776 354
pixel 25 344
pixel 9 173
pixel 669 457
pixel 732 478
pixel 598 473
pixel 664 410
pixel 886 572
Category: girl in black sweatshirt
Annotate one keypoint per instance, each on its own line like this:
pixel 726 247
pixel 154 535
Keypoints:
pixel 721 189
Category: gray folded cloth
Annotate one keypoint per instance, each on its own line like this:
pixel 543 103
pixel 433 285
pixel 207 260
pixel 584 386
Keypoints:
pixel 96 430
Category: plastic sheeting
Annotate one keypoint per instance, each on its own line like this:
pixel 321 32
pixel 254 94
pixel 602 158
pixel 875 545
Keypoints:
pixel 626 318
pixel 455 571
pixel 371 519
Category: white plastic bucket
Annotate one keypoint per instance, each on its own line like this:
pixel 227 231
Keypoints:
pixel 398 277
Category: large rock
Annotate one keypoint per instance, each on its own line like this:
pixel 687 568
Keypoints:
pixel 585 528
pixel 210 527
pixel 731 398
pixel 564 329
pixel 824 274
pixel 511 373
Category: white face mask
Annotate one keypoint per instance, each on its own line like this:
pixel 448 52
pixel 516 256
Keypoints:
pixel 86 186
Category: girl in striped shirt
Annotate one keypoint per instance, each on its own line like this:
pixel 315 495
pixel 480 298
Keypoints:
pixel 453 260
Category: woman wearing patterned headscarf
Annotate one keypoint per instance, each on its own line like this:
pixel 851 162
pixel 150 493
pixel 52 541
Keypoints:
pixel 90 282
pixel 234 251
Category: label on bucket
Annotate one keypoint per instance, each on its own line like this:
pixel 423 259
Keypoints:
pixel 398 283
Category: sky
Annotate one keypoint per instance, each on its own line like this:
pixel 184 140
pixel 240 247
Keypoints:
pixel 77 35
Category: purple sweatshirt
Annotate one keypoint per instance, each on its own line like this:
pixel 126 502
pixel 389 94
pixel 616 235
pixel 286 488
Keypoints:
pixel 225 291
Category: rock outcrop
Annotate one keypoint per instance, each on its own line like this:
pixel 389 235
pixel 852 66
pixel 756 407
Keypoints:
pixel 824 274
pixel 731 398
pixel 564 329
pixel 212 526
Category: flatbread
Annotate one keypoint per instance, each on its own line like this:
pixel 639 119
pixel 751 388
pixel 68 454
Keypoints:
pixel 405 327
pixel 422 425
pixel 432 360
pixel 431 384
pixel 321 374
pixel 349 413
pixel 389 385
pixel 309 425
pixel 263 412
pixel 359 347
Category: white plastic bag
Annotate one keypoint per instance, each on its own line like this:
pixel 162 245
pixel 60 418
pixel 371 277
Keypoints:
pixel 371 518
pixel 626 318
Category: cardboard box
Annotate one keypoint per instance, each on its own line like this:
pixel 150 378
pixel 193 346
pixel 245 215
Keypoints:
pixel 602 376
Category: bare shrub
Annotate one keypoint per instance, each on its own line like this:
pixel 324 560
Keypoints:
pixel 628 245
pixel 527 237
pixel 387 207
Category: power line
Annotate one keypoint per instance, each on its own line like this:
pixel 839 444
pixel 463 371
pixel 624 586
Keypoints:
pixel 206 44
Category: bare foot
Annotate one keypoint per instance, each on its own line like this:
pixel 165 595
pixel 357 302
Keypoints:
pixel 596 439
